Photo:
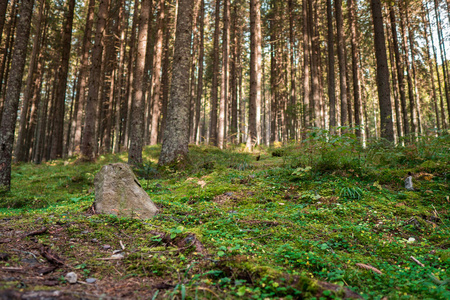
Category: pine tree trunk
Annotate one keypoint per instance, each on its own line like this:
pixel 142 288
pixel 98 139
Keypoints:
pixel 57 145
pixel 7 125
pixel 215 79
pixel 355 67
pixel 331 76
pixel 24 112
pixel 225 74
pixel 166 73
pixel 255 75
pixel 130 78
pixel 193 80
pixel 307 111
pixel 387 129
pixel 156 75
pixel 176 137
pixel 342 62
pixel 200 69
pixel 400 72
pixel 313 19
pixel 444 120
pixel 394 83
pixel 137 113
pixel 89 141
pixel 293 71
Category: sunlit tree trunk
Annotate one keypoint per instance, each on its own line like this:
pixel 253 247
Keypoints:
pixel 225 74
pixel 176 137
pixel 255 74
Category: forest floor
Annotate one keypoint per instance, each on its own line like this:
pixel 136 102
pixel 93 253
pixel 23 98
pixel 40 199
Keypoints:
pixel 321 220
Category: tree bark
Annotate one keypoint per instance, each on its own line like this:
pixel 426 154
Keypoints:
pixel 387 129
pixel 89 142
pixel 215 80
pixel 176 137
pixel 7 125
pixel 137 114
pixel 255 74
pixel 342 63
pixel 200 68
pixel 355 67
pixel 20 150
pixel 331 76
pixel 225 74
pixel 307 111
pixel 156 75
pixel 57 145
pixel 400 72
pixel 3 7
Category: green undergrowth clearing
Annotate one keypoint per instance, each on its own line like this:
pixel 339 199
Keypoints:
pixel 300 222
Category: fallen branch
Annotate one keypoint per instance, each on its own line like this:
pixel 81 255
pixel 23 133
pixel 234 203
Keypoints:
pixel 416 261
pixel 369 267
pixel 37 232
pixel 50 256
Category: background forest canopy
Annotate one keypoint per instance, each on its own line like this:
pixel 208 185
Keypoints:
pixel 315 68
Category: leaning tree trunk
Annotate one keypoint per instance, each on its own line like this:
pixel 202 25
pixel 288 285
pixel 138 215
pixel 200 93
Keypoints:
pixel 7 126
pixel 137 111
pixel 176 136
pixel 387 127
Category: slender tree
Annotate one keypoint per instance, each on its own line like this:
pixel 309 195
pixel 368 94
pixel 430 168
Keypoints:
pixel 331 76
pixel 215 79
pixel 89 142
pixel 8 122
pixel 387 129
pixel 342 62
pixel 137 113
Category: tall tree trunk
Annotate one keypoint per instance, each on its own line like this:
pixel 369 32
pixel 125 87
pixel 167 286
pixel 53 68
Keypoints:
pixel 443 54
pixel 342 62
pixel 225 74
pixel 200 68
pixel 215 80
pixel 355 67
pixel 20 150
pixel 40 128
pixel 7 125
pixel 444 120
pixel 400 72
pixel 137 113
pixel 394 82
pixel 307 111
pixel 89 142
pixel 313 19
pixel 412 110
pixel 156 75
pixel 176 137
pixel 429 62
pixel 293 71
pixel 130 78
pixel 387 129
pixel 193 81
pixel 57 145
pixel 255 74
pixel 119 126
pixel 7 52
pixel 331 76
pixel 82 76
pixel 166 72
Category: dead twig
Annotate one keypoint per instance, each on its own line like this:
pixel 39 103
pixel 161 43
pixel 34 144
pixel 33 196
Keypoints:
pixel 37 232
pixel 369 267
pixel 416 261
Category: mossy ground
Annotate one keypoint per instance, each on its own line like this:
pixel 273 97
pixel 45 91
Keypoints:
pixel 284 226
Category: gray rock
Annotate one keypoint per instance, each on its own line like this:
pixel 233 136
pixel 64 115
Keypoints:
pixel 91 280
pixel 71 277
pixel 409 184
pixel 118 192
pixel 106 247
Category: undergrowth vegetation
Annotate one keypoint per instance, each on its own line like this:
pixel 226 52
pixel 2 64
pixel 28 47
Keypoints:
pixel 299 222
